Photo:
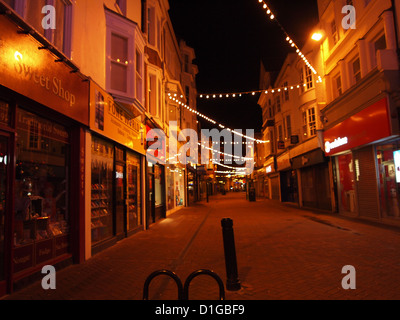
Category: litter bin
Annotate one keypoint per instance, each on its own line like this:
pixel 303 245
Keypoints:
pixel 252 194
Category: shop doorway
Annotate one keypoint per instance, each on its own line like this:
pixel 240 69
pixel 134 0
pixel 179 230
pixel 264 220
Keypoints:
pixel 345 184
pixel 120 212
pixel 155 193
pixel 4 160
pixel 289 187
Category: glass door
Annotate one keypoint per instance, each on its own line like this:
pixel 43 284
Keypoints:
pixel 133 202
pixel 150 217
pixel 120 198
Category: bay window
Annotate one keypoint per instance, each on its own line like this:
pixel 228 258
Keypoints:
pixel 124 59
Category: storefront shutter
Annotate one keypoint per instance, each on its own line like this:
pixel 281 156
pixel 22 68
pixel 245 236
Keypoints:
pixel 275 188
pixel 367 187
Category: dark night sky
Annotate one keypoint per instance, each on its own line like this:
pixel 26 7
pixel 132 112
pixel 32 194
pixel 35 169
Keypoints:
pixel 230 39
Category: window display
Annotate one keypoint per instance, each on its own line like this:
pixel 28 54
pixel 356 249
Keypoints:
pixel 389 185
pixel 347 200
pixel 102 186
pixel 133 191
pixel 41 186
pixel 175 187
pixel 191 187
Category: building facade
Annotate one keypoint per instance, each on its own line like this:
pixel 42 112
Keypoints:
pixel 76 108
pixel 44 106
pixel 335 143
pixel 295 170
pixel 361 116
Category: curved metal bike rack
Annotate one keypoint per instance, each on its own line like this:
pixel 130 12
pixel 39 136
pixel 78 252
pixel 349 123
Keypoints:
pixel 158 273
pixel 204 272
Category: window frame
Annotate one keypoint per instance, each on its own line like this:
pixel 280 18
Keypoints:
pixel 21 7
pixel 356 76
pixel 312 121
pixel 126 29
pixel 338 89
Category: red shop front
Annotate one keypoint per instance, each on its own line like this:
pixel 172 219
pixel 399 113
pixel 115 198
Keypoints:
pixel 358 145
pixel 43 116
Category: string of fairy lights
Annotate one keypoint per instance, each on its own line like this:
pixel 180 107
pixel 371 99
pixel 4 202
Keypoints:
pixel 181 103
pixel 292 44
pixel 253 93
pixel 238 171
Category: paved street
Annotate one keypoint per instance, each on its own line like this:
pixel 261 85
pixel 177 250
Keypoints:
pixel 283 253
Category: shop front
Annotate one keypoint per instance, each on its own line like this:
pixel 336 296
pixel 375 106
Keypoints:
pixel 175 187
pixel 289 191
pixel 156 206
pixel 192 185
pixel 271 180
pixel 313 168
pixel 43 117
pixel 365 167
pixel 116 157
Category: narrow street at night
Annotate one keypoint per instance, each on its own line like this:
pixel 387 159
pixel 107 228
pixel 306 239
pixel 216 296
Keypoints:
pixel 282 253
pixel 199 157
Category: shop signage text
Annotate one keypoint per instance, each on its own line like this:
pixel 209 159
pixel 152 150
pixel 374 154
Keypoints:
pixel 35 74
pixel 335 144
pixel 367 126
pixel 53 84
pixel 111 120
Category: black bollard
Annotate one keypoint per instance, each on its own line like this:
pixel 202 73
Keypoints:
pixel 232 282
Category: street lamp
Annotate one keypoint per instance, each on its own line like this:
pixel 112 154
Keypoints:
pixel 317 36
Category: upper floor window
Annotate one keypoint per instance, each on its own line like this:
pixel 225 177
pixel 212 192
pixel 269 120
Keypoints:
pixel 309 78
pixel 278 103
pixel 124 65
pixel 309 122
pixel 58 31
pixel 306 79
pixel 280 133
pixel 337 85
pixel 153 28
pixel 288 127
pixel 153 94
pixel 312 122
pixel 286 92
pixel 380 44
pixel 139 75
pixel 119 63
pixel 334 32
pixel 302 85
pixel 356 70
